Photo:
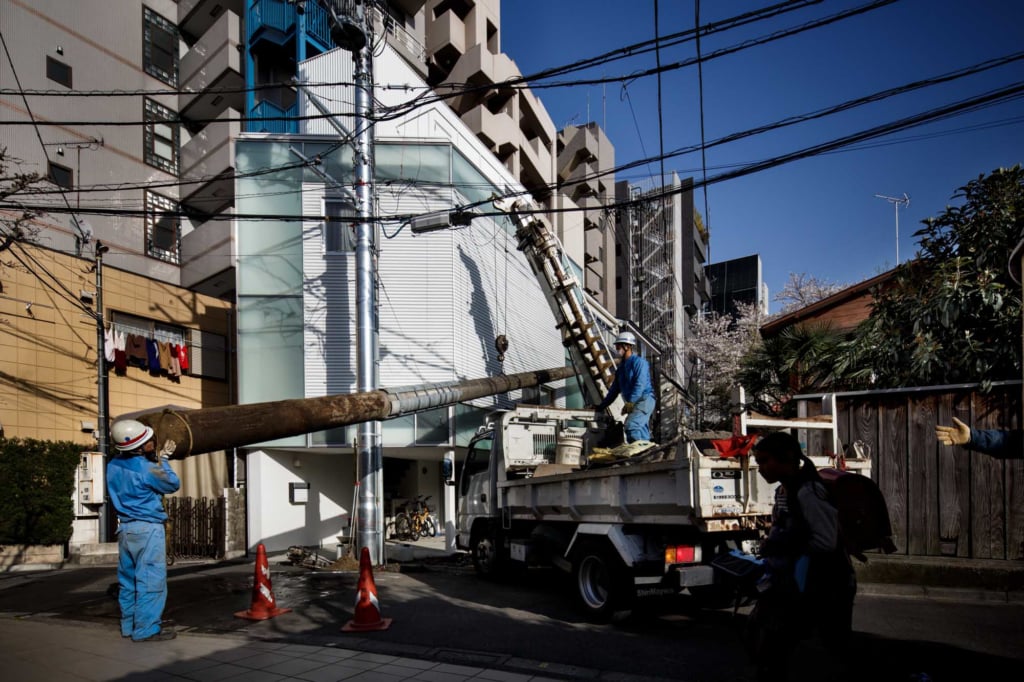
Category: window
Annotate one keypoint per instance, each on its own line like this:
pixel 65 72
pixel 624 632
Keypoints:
pixel 58 72
pixel 159 47
pixel 60 175
pixel 339 234
pixel 161 139
pixel 163 228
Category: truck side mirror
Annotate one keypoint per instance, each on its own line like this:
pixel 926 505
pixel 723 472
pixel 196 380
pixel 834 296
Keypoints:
pixel 448 472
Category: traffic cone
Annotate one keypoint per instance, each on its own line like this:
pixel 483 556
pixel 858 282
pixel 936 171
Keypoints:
pixel 263 605
pixel 367 615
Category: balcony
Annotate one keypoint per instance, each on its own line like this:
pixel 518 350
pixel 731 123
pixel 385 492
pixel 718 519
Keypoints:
pixel 195 17
pixel 212 66
pixel 581 147
pixel 477 67
pixel 446 40
pixel 536 157
pixel 267 117
pixel 405 43
pixel 497 131
pixel 207 166
pixel 208 259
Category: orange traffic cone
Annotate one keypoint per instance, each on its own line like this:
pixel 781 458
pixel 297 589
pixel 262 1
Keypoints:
pixel 367 615
pixel 263 604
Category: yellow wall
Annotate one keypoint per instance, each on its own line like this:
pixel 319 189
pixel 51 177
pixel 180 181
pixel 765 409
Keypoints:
pixel 48 374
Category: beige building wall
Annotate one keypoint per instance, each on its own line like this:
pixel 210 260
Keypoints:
pixel 48 344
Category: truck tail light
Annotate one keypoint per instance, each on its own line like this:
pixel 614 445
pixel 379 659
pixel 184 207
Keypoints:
pixel 680 554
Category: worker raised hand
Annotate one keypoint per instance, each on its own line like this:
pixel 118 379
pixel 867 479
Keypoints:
pixel 958 434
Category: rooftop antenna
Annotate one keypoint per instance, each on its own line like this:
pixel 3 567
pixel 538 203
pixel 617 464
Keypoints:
pixel 896 201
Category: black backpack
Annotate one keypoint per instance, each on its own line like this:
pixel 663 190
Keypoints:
pixel 863 514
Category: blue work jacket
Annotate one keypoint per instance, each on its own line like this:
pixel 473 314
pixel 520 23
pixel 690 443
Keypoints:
pixel 136 484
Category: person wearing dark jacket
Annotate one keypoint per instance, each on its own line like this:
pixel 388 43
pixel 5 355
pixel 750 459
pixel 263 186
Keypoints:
pixel 809 583
pixel 137 479
pixel 1001 443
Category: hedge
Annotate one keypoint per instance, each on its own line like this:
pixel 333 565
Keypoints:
pixel 37 478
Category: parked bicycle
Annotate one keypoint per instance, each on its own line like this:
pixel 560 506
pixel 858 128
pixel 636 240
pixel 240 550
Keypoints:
pixel 415 522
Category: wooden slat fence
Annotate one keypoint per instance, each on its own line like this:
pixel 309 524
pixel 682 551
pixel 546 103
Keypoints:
pixel 943 501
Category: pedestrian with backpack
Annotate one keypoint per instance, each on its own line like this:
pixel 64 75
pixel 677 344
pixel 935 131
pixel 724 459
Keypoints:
pixel 809 584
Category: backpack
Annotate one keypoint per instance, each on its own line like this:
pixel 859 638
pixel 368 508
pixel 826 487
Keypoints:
pixel 863 514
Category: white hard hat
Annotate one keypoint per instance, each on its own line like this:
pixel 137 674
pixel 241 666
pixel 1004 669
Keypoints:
pixel 625 337
pixel 129 434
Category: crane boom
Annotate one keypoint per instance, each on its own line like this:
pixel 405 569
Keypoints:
pixel 591 356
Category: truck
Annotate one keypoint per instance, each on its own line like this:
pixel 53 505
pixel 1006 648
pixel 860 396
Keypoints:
pixel 644 524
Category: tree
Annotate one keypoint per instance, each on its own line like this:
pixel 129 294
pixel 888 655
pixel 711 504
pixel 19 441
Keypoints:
pixel 719 344
pixel 801 290
pixel 952 315
pixel 14 224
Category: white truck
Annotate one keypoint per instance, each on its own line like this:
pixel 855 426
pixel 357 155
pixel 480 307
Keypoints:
pixel 529 492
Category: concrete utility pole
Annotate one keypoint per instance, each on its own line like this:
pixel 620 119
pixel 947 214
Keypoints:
pixel 896 201
pixel 102 392
pixel 219 428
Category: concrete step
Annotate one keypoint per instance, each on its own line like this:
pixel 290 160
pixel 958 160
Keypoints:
pixel 94 554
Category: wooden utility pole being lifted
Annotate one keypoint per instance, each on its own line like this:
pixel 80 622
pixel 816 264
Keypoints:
pixel 193 432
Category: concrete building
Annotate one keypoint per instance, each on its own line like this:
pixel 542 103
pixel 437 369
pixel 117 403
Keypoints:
pixel 464 47
pixel 586 180
pixel 739 280
pixel 661 250
pixel 112 160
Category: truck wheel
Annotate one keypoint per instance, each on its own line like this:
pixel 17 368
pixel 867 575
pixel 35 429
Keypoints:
pixel 604 589
pixel 484 547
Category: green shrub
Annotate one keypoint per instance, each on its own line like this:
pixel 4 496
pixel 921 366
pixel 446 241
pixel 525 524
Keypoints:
pixel 36 483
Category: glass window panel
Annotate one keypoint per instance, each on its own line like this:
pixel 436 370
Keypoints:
pixel 467 420
pixel 162 149
pixel 421 162
pixel 271 250
pixel 270 350
pixel 164 130
pixel 432 427
pixel 399 432
pixel 339 437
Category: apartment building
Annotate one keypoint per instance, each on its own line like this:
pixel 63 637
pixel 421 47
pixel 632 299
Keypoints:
pixel 586 182
pixel 92 95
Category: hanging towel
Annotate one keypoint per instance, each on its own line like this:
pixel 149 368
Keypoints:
pixel 153 356
pixel 108 344
pixel 135 348
pixel 164 355
pixel 183 357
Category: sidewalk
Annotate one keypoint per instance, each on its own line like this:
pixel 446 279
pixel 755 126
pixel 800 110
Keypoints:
pixel 46 649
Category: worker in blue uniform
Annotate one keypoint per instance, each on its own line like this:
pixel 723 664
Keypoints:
pixel 137 479
pixel 633 382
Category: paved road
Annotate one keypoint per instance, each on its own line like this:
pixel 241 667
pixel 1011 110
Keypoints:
pixel 443 612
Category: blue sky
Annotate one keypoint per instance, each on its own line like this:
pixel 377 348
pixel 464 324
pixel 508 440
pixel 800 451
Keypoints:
pixel 818 215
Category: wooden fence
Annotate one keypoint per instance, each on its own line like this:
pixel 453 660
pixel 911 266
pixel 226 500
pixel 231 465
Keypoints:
pixel 943 501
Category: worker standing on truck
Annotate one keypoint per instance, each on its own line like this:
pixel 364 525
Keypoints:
pixel 137 479
pixel 633 382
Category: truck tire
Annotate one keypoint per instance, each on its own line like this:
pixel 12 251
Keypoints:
pixel 604 588
pixel 485 549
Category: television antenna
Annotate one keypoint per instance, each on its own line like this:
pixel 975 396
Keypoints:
pixel 896 201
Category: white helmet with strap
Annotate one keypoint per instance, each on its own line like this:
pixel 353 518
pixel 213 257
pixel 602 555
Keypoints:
pixel 626 338
pixel 129 434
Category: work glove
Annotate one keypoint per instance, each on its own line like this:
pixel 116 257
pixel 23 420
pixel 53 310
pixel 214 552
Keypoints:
pixel 168 449
pixel 958 434
pixel 627 408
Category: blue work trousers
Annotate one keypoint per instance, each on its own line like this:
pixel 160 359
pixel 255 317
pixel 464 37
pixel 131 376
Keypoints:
pixel 636 424
pixel 142 575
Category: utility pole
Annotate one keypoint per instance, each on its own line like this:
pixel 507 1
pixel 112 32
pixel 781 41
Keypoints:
pixel 102 393
pixel 350 31
pixel 896 201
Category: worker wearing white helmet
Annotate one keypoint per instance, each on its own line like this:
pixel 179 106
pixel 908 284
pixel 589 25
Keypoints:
pixel 137 478
pixel 633 382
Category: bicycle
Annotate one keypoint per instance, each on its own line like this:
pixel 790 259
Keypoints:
pixel 415 522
